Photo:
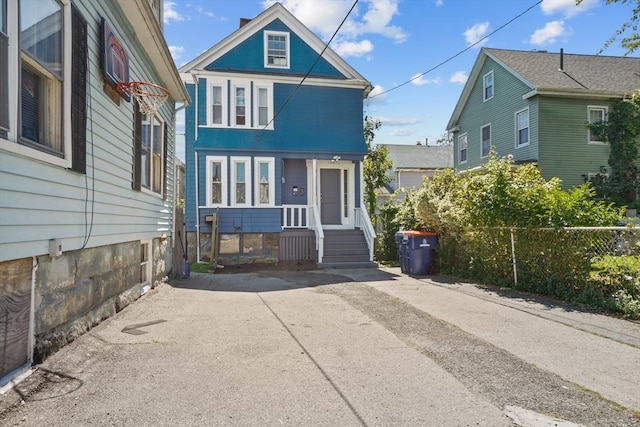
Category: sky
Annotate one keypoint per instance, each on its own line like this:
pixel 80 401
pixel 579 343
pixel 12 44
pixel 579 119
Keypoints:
pixel 391 42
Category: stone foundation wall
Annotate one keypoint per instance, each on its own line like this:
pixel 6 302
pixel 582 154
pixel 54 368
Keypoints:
pixel 268 253
pixel 79 289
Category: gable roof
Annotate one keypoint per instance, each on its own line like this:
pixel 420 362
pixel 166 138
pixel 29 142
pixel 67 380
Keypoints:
pixel 420 156
pixel 581 75
pixel 276 11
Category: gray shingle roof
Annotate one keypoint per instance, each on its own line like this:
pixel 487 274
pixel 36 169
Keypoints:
pixel 420 156
pixel 597 73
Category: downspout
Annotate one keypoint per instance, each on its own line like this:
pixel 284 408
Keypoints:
pixel 197 210
pixel 175 187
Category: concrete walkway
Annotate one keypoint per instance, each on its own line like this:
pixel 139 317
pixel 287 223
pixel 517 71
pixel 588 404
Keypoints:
pixel 337 348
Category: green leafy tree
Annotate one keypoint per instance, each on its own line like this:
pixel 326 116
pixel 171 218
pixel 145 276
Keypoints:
pixel 375 166
pixel 631 39
pixel 622 132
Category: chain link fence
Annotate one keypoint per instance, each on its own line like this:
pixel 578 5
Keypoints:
pixel 593 265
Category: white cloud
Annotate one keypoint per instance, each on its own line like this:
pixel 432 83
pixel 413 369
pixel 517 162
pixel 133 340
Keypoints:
pixel 369 17
pixel 439 3
pixel 474 34
pixel 377 96
pixel 459 77
pixel 404 121
pixel 419 80
pixel 549 33
pixel 170 14
pixel 176 52
pixel 353 48
pixel 207 13
pixel 568 8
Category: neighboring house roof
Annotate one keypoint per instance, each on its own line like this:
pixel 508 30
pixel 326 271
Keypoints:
pixel 579 76
pixel 417 157
pixel 277 11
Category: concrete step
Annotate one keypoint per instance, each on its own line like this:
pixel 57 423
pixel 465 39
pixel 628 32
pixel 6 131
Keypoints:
pixel 342 265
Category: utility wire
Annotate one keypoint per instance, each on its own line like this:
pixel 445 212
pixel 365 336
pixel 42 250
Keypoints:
pixel 312 67
pixel 459 53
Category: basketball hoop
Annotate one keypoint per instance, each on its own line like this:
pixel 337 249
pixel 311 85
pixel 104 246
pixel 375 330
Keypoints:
pixel 150 96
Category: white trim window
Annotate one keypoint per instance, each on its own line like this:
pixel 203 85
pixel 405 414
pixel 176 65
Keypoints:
pixel 241 181
pixel 522 128
pixel 264 181
pixel 152 153
pixel 485 137
pixel 276 49
pixel 262 106
pixel 487 86
pixel 146 263
pixel 218 112
pixel 216 177
pixel 595 114
pixel 240 118
pixel 462 148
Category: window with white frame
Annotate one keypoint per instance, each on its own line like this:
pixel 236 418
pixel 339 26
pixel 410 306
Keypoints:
pixel 145 262
pixel 522 128
pixel 152 153
pixel 240 106
pixel 48 49
pixel 276 49
pixel 263 106
pixel 462 148
pixel 241 181
pixel 485 135
pixel 216 105
pixel 216 177
pixel 264 181
pixel 596 115
pixel 487 86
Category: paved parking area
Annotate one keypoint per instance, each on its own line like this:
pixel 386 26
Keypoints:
pixel 338 347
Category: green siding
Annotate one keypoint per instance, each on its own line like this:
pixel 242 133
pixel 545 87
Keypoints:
pixel 500 113
pixel 564 149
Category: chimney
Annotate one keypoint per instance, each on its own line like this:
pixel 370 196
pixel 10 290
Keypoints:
pixel 244 21
pixel 561 60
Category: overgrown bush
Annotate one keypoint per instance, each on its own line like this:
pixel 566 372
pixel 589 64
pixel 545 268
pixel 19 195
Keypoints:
pixel 386 249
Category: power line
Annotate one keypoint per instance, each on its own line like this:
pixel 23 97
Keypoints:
pixel 312 67
pixel 457 54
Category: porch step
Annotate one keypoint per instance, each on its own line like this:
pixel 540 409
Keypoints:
pixel 348 247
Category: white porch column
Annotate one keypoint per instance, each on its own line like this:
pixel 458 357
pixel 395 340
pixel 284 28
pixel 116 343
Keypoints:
pixel 314 184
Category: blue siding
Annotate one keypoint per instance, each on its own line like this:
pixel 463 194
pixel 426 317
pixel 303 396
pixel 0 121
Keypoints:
pixel 244 220
pixel 317 119
pixel 202 101
pixel 190 174
pixel 295 175
pixel 249 56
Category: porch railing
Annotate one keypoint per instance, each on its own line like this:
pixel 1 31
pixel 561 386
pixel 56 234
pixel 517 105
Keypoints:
pixel 295 216
pixel 363 222
pixel 316 226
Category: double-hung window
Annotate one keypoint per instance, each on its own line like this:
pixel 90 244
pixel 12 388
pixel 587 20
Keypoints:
pixel 216 177
pixel 276 49
pixel 522 128
pixel 485 135
pixel 216 105
pixel 596 115
pixel 43 104
pixel 487 86
pixel 264 181
pixel 152 155
pixel 462 148
pixel 241 181
pixel 240 106
pixel 263 105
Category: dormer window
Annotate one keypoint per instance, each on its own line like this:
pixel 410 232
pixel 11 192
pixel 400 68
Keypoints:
pixel 276 49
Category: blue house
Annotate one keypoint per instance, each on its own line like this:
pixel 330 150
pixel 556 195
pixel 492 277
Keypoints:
pixel 274 148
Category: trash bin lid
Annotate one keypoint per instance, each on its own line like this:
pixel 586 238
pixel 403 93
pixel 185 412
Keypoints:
pixel 418 233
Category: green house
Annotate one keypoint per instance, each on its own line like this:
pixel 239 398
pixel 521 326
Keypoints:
pixel 536 106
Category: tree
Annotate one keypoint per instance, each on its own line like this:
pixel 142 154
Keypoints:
pixel 375 166
pixel 632 41
pixel 622 132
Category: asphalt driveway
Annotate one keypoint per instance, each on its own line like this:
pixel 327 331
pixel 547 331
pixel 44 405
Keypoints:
pixel 338 348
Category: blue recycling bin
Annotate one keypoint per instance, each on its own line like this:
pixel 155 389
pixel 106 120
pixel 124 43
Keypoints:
pixel 416 250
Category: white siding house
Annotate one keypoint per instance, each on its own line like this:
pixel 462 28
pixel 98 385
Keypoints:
pixel 86 181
